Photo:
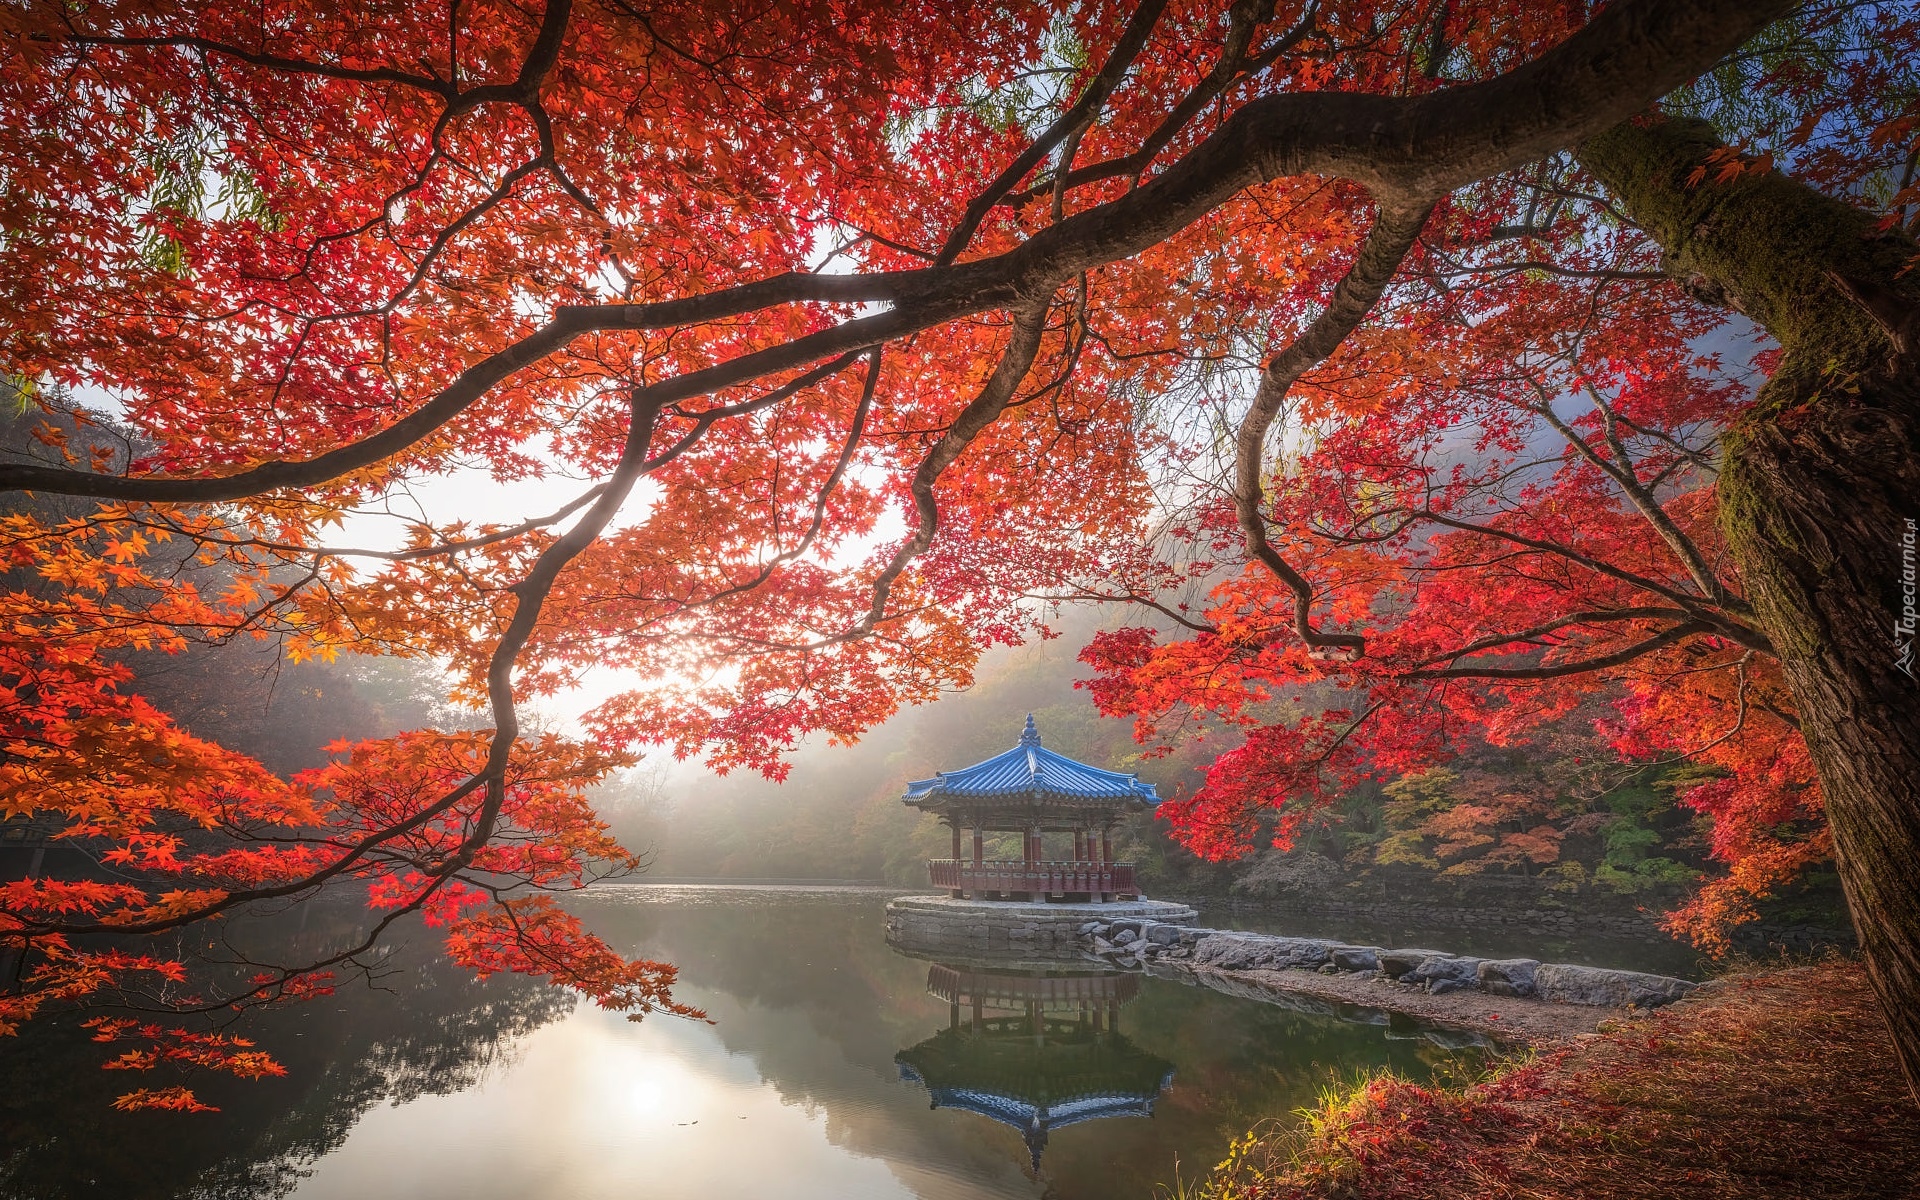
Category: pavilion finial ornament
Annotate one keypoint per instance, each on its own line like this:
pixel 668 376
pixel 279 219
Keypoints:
pixel 1031 735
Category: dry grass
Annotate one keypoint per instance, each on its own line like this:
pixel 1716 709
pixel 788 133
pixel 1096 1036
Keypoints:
pixel 1780 1084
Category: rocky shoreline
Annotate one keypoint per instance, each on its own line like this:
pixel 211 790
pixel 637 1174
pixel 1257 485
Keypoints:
pixel 1543 922
pixel 1512 999
pixel 1452 1021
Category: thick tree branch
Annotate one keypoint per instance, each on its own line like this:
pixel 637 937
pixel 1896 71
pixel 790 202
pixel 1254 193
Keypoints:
pixel 983 410
pixel 531 594
pixel 1595 617
pixel 1678 633
pixel 1353 297
pixel 1406 150
pixel 1244 20
pixel 1548 268
pixel 275 62
pixel 1133 39
pixel 1722 625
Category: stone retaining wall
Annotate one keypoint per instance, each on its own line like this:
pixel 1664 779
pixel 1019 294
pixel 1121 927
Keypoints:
pixel 976 928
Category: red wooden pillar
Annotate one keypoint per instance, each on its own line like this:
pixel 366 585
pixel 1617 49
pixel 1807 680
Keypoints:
pixel 979 847
pixel 956 892
pixel 1105 864
pixel 1033 864
pixel 1079 845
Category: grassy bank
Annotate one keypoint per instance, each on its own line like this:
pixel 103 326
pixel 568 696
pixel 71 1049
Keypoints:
pixel 1777 1083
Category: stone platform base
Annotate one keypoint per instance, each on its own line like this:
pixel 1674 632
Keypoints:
pixel 1012 929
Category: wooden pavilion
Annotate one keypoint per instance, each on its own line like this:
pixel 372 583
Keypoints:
pixel 1032 791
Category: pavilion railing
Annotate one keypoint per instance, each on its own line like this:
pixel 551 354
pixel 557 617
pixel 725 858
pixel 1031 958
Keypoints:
pixel 1055 877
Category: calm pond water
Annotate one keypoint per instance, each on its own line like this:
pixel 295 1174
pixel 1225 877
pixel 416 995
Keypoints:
pixel 834 1067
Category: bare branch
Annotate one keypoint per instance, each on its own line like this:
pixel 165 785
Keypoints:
pixel 1722 624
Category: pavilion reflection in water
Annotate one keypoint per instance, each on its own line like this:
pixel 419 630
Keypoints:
pixel 1035 1051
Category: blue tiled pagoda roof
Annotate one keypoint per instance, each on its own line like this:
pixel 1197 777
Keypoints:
pixel 1035 1123
pixel 1031 769
pixel 1037 1088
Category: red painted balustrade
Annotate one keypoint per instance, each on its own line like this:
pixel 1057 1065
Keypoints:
pixel 1036 878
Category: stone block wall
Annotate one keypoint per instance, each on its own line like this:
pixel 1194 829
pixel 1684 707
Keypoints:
pixel 935 925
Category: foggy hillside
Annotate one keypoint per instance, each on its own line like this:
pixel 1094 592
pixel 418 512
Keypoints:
pixel 839 815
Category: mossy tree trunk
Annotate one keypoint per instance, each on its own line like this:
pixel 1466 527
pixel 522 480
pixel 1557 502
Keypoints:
pixel 1819 495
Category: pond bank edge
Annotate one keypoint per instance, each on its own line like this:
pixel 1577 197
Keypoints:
pixel 1509 1000
pixel 1711 1098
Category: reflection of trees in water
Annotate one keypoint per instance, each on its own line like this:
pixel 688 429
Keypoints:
pixel 809 991
pixel 423 1028
pixel 1244 1062
pixel 805 987
pixel 1040 1052
pixel 820 954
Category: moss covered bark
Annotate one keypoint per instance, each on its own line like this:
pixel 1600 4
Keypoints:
pixel 1819 493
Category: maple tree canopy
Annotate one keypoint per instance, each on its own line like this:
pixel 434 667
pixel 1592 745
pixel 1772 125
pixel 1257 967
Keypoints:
pixel 1338 333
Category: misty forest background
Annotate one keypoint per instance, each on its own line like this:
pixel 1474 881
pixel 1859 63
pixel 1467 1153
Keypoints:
pixel 1559 823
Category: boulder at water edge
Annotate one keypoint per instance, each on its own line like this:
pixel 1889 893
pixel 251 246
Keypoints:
pixel 1355 958
pixel 1508 976
pixel 1398 962
pixel 1457 969
pixel 1593 985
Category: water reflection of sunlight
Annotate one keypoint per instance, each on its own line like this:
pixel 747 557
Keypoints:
pixel 596 1107
pixel 646 1095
